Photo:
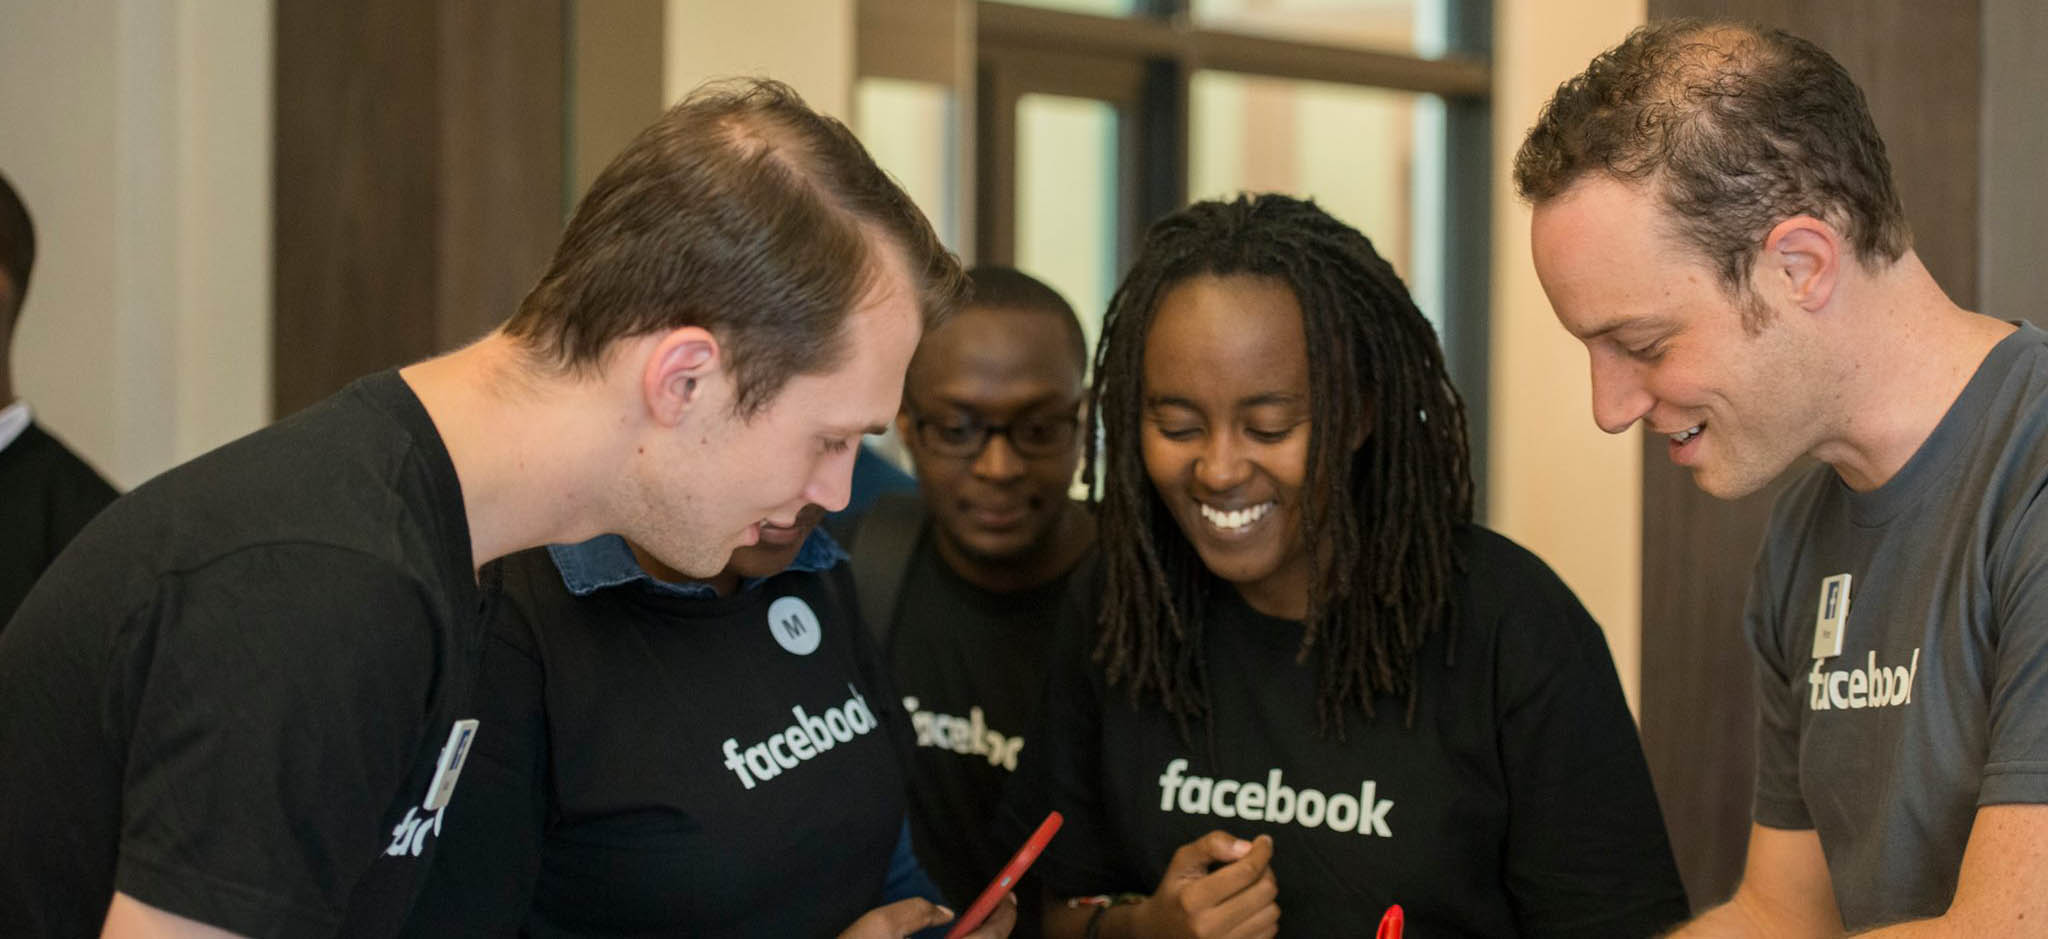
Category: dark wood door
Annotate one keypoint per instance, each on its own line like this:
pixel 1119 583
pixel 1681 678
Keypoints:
pixel 419 179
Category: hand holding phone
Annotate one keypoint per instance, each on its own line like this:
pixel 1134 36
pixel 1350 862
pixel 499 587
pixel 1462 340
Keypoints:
pixel 993 894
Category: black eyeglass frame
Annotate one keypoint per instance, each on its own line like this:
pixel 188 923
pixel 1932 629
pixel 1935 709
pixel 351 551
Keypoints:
pixel 925 429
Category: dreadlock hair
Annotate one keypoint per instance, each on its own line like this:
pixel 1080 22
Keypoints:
pixel 1378 521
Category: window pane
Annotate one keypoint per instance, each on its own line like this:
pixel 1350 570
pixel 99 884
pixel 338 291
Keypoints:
pixel 1067 199
pixel 909 128
pixel 1097 7
pixel 1371 157
pixel 1416 27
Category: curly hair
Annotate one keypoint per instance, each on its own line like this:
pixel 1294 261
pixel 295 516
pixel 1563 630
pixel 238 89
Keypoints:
pixel 1378 521
pixel 1738 126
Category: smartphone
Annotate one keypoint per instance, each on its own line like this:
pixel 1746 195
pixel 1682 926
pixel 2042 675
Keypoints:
pixel 992 895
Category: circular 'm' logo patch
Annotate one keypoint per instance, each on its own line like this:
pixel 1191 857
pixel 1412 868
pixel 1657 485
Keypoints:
pixel 794 625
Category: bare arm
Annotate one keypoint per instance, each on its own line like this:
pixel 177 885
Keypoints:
pixel 2002 888
pixel 1785 891
pixel 129 918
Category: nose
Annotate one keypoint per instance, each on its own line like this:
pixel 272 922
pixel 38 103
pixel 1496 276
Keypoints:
pixel 998 459
pixel 1619 398
pixel 1221 465
pixel 831 484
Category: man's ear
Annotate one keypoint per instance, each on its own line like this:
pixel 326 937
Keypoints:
pixel 678 372
pixel 1800 262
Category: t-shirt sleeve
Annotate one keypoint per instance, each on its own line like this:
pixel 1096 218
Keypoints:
pixel 1587 853
pixel 1778 802
pixel 487 863
pixel 1060 768
pixel 2016 764
pixel 272 706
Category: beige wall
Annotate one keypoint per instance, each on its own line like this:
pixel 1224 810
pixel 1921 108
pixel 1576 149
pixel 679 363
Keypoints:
pixel 807 43
pixel 1556 483
pixel 138 132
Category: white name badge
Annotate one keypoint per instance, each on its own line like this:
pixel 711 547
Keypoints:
pixel 1832 619
pixel 453 755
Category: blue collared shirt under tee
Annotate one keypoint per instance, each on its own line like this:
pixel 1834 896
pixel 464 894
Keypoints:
pixel 606 561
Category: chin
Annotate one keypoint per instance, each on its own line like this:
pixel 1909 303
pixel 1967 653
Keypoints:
pixel 1730 488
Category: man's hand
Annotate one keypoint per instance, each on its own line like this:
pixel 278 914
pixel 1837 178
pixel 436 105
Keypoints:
pixel 1235 900
pixel 904 917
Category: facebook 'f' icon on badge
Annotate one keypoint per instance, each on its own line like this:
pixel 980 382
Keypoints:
pixel 1832 617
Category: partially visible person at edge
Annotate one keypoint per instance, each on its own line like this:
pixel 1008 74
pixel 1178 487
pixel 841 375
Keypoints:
pixel 961 578
pixel 1302 687
pixel 682 757
pixel 240 701
pixel 1715 218
pixel 46 492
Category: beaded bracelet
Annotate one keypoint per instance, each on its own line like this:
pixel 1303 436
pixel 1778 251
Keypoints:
pixel 1102 904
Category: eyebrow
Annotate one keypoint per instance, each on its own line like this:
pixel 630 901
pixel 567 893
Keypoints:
pixel 1263 399
pixel 1623 322
pixel 1028 404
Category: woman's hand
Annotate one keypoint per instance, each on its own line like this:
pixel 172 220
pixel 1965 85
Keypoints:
pixel 1236 900
pixel 903 917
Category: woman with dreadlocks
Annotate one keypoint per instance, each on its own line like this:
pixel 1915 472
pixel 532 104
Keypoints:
pixel 1302 680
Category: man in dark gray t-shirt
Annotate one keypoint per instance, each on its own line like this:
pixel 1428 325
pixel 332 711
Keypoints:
pixel 1714 217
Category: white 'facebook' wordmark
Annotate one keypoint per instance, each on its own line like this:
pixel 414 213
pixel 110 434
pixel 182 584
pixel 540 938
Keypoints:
pixel 1274 801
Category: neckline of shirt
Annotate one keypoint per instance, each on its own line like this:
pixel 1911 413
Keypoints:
pixel 1930 465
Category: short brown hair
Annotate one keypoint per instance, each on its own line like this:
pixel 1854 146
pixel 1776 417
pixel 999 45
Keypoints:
pixel 1738 126
pixel 744 212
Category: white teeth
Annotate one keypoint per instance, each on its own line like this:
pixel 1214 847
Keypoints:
pixel 1236 520
pixel 1688 433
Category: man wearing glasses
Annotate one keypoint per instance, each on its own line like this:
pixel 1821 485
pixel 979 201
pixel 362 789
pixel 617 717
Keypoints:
pixel 959 582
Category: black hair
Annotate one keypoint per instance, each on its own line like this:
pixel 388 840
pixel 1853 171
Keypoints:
pixel 17 250
pixel 1378 521
pixel 994 287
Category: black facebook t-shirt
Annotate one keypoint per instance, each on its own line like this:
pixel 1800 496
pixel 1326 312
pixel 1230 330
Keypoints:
pixel 1519 803
pixel 229 696
pixel 970 665
pixel 661 765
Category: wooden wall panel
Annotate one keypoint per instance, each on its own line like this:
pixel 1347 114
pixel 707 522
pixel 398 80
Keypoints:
pixel 355 176
pixel 418 178
pixel 502 159
pixel 1918 66
pixel 2013 283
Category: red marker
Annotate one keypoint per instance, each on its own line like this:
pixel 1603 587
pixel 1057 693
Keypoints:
pixel 1390 924
pixel 992 895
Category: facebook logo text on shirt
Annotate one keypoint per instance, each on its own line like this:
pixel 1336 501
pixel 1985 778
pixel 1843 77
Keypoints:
pixel 1274 801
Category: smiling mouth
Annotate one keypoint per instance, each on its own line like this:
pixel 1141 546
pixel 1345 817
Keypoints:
pixel 1235 520
pixel 1683 436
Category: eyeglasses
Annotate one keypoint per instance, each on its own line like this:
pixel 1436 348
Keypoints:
pixel 964 436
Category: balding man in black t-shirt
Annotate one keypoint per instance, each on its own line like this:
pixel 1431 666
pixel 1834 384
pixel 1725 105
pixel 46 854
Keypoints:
pixel 241 700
